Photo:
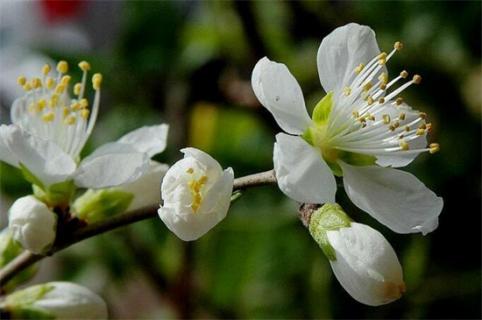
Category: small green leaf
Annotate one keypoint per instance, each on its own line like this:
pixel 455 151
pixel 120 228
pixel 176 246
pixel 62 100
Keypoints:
pixel 29 295
pixel 323 109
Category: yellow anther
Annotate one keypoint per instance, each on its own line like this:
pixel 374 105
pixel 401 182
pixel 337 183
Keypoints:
pixel 84 103
pixel 190 170
pixel 422 115
pixel 50 83
pixel 391 127
pixel 27 87
pixel 434 147
pixel 60 89
pixel 386 118
pixel 359 68
pixel 407 128
pixel 404 145
pixel 404 74
pixel 396 124
pixel 21 80
pixel 31 108
pixel 48 117
pixel 383 86
pixel 429 127
pixel 398 45
pixel 75 106
pixel 401 116
pixel 382 55
pixel 54 99
pixel 347 91
pixel 46 69
pixel 382 61
pixel 41 104
pixel 367 86
pixel 370 100
pixel 423 126
pixel 381 100
pixel 36 83
pixel 195 188
pixel 77 88
pixel 65 80
pixel 97 81
pixel 355 114
pixel 401 136
pixel 371 117
pixel 417 79
pixel 65 111
pixel 362 119
pixel 383 77
pixel 203 180
pixel 420 132
pixel 70 120
pixel 399 101
pixel 62 67
pixel 84 113
pixel 84 66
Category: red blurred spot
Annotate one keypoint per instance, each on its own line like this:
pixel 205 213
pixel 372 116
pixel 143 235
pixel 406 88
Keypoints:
pixel 56 10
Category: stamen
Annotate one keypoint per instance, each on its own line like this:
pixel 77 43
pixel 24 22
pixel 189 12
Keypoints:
pixel 65 80
pixel 77 88
pixel 22 80
pixel 84 66
pixel 62 67
pixel 97 81
pixel 399 101
pixel 84 113
pixel 36 83
pixel 190 170
pixel 70 120
pixel 417 79
pixel 50 83
pixel 347 91
pixel 48 117
pixel 84 103
pixel 404 74
pixel 359 68
pixel 46 69
pixel 434 147
pixel 398 46
pixel 401 116
pixel 404 145
pixel 386 119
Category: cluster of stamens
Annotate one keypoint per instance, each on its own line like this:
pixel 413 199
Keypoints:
pixel 48 111
pixel 380 121
pixel 195 186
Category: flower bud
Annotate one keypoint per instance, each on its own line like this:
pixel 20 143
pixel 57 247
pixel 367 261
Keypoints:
pixel 96 205
pixel 361 258
pixel 63 300
pixel 146 189
pixel 32 224
pixel 196 194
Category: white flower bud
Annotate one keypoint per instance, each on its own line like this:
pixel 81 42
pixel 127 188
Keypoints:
pixel 146 189
pixel 32 224
pixel 366 265
pixel 58 300
pixel 196 193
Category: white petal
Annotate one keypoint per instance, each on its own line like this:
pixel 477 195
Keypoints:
pixel 43 158
pixel 279 92
pixel 366 265
pixel 301 172
pixel 212 167
pixel 151 140
pixel 395 198
pixel 146 189
pixel 342 51
pixel 110 165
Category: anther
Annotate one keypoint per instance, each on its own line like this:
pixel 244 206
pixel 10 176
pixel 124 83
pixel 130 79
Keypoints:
pixel 434 147
pixel 84 113
pixel 429 127
pixel 367 86
pixel 41 104
pixel 370 100
pixel 77 88
pixel 386 119
pixel 65 111
pixel 62 67
pixel 399 101
pixel 383 86
pixel 417 79
pixel 383 78
pixel 190 170
pixel 50 83
pixel 60 89
pixel 401 116
pixel 359 68
pixel 84 103
pixel 396 124
pixel 27 87
pixel 420 132
pixel 96 81
pixel 355 114
pixel 70 120
pixel 398 45
pixel 381 100
pixel 422 115
pixel 84 66
pixel 21 80
pixel 404 74
pixel 65 80
pixel 36 83
pixel 46 69
pixel 75 106
pixel 407 128
pixel 347 91
pixel 48 117
pixel 54 99
pixel 404 145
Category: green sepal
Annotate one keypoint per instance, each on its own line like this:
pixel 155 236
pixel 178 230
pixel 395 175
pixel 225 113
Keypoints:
pixel 56 194
pixel 19 304
pixel 329 217
pixel 95 205
pixel 322 110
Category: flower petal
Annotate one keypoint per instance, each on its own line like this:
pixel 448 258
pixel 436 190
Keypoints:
pixel 47 161
pixel 151 140
pixel 110 165
pixel 279 92
pixel 366 264
pixel 301 172
pixel 395 198
pixel 213 167
pixel 341 52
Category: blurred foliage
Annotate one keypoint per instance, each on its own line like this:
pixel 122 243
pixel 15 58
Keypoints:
pixel 189 64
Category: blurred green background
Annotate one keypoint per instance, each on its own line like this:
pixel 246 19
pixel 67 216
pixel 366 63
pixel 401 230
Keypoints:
pixel 189 64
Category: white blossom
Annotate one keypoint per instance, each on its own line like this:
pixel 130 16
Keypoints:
pixel 196 193
pixel 360 129
pixel 50 127
pixel 32 224
pixel 366 265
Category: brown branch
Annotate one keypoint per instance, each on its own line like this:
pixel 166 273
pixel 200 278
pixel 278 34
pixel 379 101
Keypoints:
pixel 26 258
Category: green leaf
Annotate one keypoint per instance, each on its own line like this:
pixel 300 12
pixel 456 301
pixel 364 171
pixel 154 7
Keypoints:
pixel 29 295
pixel 323 109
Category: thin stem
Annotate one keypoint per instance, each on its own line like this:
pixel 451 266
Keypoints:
pixel 26 258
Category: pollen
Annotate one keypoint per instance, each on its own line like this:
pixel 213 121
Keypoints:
pixel 422 115
pixel 65 80
pixel 60 89
pixel 404 145
pixel 84 113
pixel 70 120
pixel 381 100
pixel 420 132
pixel 62 67
pixel 195 187
pixel 50 83
pixel 359 68
pixel 401 116
pixel 398 46
pixel 399 101
pixel 404 74
pixel 367 86
pixel 36 83
pixel 21 80
pixel 434 147
pixel 46 69
pixel 77 88
pixel 48 117
pixel 96 81
pixel 84 66
pixel 417 79
pixel 41 104
pixel 383 78
pixel 386 119
pixel 84 103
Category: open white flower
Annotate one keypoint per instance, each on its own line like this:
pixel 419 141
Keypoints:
pixel 32 224
pixel 359 122
pixel 55 300
pixel 50 128
pixel 366 264
pixel 196 194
